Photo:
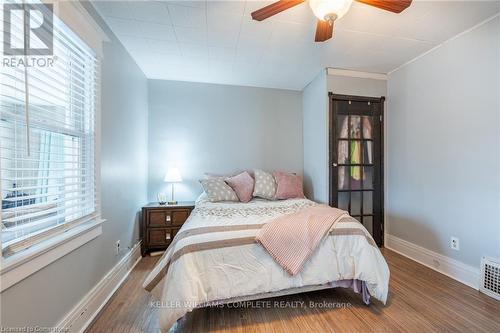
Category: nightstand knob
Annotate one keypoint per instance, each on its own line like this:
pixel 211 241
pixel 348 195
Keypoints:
pixel 168 218
pixel 167 236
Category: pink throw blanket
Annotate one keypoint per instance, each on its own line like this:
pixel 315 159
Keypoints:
pixel 291 239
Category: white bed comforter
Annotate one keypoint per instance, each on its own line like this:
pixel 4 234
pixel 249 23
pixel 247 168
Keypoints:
pixel 213 258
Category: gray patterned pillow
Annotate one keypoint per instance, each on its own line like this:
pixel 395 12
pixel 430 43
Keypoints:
pixel 217 190
pixel 265 185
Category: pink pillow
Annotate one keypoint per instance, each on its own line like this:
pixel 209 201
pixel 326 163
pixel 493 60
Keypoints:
pixel 289 185
pixel 242 184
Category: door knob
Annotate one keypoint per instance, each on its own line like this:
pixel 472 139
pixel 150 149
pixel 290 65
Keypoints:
pixel 335 164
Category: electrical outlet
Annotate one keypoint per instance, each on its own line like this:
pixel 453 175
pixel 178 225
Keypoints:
pixel 117 247
pixel 455 243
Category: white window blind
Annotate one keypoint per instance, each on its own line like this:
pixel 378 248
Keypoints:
pixel 47 147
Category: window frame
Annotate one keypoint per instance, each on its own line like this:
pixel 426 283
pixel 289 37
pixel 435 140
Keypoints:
pixel 47 233
pixel 24 263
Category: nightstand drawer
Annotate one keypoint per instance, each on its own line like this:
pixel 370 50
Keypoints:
pixel 162 218
pixel 156 219
pixel 179 216
pixel 161 237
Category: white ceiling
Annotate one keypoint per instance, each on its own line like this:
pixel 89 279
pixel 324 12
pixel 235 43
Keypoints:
pixel 218 42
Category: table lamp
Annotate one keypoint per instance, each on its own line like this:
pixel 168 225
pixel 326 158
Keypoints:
pixel 172 176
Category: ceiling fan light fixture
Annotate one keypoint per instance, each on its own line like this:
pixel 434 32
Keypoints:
pixel 330 10
pixel 327 11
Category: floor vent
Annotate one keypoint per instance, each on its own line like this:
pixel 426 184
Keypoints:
pixel 490 277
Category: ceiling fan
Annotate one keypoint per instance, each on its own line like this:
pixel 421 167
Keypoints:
pixel 327 11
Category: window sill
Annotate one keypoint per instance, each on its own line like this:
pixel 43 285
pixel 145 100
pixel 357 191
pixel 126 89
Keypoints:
pixel 21 265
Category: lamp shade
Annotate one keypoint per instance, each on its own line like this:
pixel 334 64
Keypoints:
pixel 322 9
pixel 172 176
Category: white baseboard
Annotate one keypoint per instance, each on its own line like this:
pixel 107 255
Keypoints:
pixel 82 315
pixel 455 269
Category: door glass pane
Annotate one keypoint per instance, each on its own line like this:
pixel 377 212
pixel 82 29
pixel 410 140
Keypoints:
pixel 368 177
pixel 368 152
pixel 367 202
pixel 355 127
pixel 343 155
pixel 367 127
pixel 343 178
pixel 368 224
pixel 343 200
pixel 355 203
pixel 355 175
pixel 342 126
pixel 355 148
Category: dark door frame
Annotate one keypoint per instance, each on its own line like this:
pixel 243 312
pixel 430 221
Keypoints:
pixel 378 233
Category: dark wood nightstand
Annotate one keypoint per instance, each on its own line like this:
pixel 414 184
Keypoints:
pixel 160 223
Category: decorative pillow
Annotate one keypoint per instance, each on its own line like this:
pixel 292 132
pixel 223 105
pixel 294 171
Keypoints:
pixel 242 184
pixel 265 186
pixel 208 175
pixel 217 190
pixel 289 185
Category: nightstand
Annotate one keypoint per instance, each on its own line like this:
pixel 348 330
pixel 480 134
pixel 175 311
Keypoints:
pixel 160 223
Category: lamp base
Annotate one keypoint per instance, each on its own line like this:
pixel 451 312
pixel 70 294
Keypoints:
pixel 172 203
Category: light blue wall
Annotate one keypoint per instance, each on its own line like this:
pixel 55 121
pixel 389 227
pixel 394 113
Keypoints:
pixel 444 147
pixel 45 297
pixel 315 132
pixel 201 127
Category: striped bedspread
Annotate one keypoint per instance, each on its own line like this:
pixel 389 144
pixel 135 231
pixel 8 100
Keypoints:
pixel 216 257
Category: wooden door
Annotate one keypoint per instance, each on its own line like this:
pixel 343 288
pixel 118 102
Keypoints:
pixel 356 159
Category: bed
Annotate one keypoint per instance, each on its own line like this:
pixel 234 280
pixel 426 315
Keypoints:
pixel 215 259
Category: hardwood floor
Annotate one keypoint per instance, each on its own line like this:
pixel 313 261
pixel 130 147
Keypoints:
pixel 420 300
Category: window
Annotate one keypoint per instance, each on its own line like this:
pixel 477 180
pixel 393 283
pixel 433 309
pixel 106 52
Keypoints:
pixel 47 142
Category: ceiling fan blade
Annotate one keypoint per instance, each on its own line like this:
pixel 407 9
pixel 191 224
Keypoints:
pixel 395 6
pixel 274 9
pixel 324 31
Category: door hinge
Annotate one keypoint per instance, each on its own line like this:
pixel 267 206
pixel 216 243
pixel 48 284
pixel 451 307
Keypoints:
pixel 381 118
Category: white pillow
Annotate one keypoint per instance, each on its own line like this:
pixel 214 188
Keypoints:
pixel 265 185
pixel 217 190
